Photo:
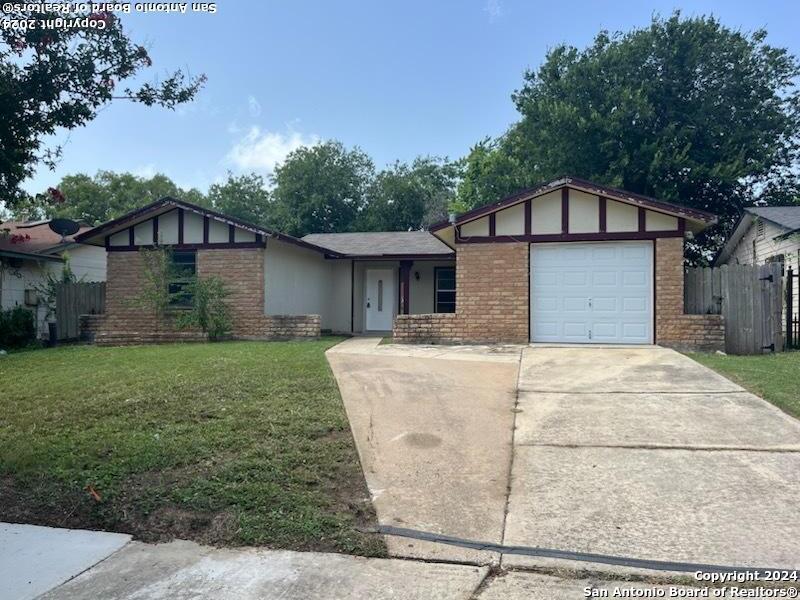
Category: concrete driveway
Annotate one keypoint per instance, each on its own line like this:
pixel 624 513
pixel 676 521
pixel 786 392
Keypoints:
pixel 635 452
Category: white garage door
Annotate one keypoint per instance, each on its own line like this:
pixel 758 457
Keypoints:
pixel 592 292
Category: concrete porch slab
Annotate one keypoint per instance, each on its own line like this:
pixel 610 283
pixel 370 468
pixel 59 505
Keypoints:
pixel 36 559
pixel 507 353
pixel 719 420
pixel 187 571
pixel 725 507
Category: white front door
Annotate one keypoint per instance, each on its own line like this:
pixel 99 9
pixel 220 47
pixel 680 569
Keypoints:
pixel 592 292
pixel 380 297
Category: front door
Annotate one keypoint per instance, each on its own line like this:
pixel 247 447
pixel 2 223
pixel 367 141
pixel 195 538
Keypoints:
pixel 380 299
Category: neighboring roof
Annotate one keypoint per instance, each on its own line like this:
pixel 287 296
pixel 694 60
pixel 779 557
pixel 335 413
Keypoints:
pixel 381 244
pixel 97 234
pixel 787 218
pixel 33 237
pixel 590 187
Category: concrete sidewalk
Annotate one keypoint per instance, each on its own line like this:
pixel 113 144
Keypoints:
pixel 35 559
pixel 187 571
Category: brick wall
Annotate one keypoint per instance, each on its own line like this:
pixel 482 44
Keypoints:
pixel 491 299
pixel 243 273
pixel 673 328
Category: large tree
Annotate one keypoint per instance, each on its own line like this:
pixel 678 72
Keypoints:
pixel 245 197
pixel 321 188
pixel 106 196
pixel 405 197
pixel 686 110
pixel 53 79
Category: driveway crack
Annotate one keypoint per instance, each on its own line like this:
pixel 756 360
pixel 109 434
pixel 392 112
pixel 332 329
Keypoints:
pixel 509 475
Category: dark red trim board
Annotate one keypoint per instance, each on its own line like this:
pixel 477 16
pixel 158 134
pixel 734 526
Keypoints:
pixel 180 226
pixel 223 246
pixel 528 217
pixel 130 236
pixel 206 227
pixel 492 223
pixel 155 230
pixel 603 216
pixel 573 237
pixel 565 210
pixel 642 219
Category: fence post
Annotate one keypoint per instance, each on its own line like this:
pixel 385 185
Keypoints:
pixel 789 307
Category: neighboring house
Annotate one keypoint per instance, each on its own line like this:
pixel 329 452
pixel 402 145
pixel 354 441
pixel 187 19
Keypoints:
pixel 765 234
pixel 29 251
pixel 569 261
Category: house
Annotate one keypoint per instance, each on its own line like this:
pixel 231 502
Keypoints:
pixel 765 234
pixel 568 261
pixel 29 251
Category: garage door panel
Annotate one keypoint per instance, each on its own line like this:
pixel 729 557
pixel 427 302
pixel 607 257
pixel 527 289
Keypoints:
pixel 605 304
pixel 592 292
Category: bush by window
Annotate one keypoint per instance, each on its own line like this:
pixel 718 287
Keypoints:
pixel 17 327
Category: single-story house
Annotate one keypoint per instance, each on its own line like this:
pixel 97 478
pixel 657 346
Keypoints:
pixel 29 251
pixel 765 234
pixel 568 261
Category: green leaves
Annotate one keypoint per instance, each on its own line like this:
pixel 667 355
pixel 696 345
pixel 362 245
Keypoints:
pixel 686 110
pixel 59 78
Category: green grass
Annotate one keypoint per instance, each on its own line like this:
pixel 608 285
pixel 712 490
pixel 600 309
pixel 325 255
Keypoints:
pixel 229 444
pixel 774 377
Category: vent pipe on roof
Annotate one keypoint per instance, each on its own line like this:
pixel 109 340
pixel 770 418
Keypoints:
pixel 452 218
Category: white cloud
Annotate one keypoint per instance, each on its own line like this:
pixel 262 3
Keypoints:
pixel 145 171
pixel 262 151
pixel 253 107
pixel 494 8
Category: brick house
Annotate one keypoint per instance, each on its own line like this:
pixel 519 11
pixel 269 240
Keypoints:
pixel 569 261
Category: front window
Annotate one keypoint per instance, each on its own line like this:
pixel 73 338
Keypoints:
pixel 182 274
pixel 445 290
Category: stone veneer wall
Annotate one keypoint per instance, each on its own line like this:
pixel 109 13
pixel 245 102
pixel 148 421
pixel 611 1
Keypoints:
pixel 492 301
pixel 243 273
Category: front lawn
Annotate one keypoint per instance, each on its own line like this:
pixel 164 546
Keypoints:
pixel 230 443
pixel 774 377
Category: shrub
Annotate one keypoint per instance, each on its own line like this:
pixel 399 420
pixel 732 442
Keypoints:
pixel 17 327
pixel 209 312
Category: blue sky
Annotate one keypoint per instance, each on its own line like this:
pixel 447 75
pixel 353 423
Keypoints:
pixel 398 79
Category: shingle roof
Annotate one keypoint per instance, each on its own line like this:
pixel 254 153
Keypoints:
pixel 785 216
pixel 383 243
pixel 33 237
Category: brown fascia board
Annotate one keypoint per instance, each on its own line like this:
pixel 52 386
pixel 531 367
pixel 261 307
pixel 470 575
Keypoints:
pixel 583 185
pixel 168 202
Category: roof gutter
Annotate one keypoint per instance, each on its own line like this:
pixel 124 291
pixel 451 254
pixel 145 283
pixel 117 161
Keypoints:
pixel 30 256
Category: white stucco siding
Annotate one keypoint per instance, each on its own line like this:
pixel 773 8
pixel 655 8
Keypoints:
pixel 584 212
pixel 143 233
pixel 121 238
pixel 338 318
pixel 421 290
pixel 655 221
pixel 168 228
pixel 297 281
pixel 88 263
pixel 546 213
pixel 192 228
pixel 510 221
pixel 476 228
pixel 621 217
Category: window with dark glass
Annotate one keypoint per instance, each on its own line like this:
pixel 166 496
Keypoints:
pixel 183 271
pixel 444 291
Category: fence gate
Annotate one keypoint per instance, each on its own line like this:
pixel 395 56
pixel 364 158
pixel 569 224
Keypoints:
pixel 74 300
pixel 792 318
pixel 749 297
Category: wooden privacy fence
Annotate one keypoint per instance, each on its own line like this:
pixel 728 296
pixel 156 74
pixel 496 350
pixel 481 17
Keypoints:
pixel 74 300
pixel 749 297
